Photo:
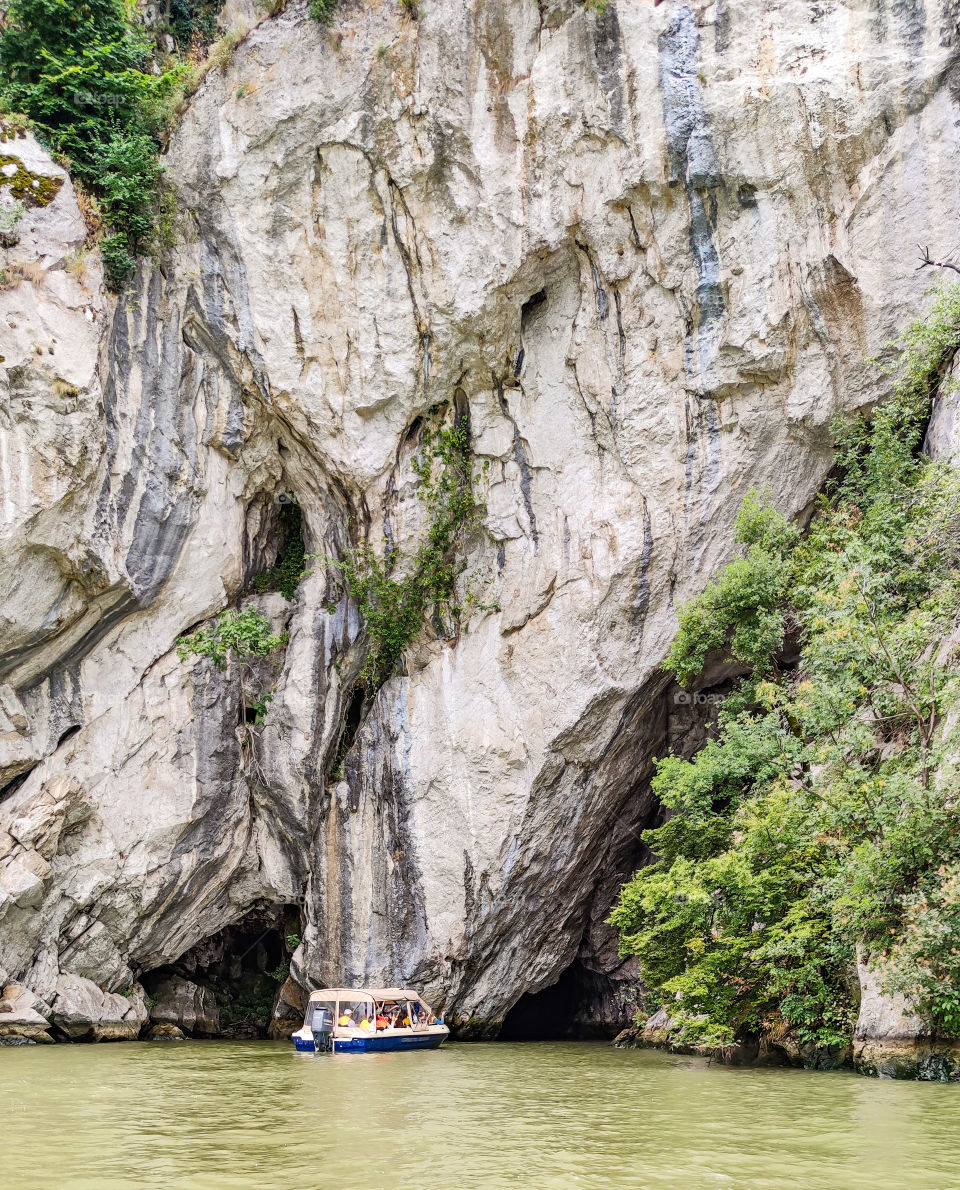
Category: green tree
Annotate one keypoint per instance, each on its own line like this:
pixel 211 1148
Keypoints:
pixel 81 72
pixel 240 637
pixel 822 815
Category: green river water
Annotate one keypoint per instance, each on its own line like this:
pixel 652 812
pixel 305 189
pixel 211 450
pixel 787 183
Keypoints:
pixel 257 1116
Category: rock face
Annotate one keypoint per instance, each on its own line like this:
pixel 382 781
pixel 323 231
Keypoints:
pixel 891 1041
pixel 84 1012
pixel 288 1012
pixel 942 440
pixel 647 251
pixel 780 1048
pixel 191 1008
pixel 21 1018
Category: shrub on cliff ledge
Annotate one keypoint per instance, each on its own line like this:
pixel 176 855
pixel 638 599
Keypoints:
pixel 824 815
pixel 235 636
pixel 322 10
pixel 81 72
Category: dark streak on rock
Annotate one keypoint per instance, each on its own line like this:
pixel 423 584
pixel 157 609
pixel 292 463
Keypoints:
pixel 397 200
pixel 609 54
pixel 641 601
pixel 693 162
pixel 637 243
pixel 620 331
pixel 297 335
pixel 721 28
pixel 520 457
pixel 600 294
pixel 950 24
pixel 912 21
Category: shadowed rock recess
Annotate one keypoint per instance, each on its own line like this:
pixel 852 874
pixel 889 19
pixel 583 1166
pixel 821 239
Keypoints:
pixel 648 251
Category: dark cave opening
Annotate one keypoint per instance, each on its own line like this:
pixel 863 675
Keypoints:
pixel 243 965
pixel 581 1005
pixel 15 782
pixel 352 722
pixel 275 547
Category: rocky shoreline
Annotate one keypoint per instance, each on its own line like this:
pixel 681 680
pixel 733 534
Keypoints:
pixel 889 1041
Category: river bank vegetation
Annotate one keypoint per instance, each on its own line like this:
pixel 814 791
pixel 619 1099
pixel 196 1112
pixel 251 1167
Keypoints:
pixel 822 821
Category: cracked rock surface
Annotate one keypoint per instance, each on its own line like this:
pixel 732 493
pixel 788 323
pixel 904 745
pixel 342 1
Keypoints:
pixel 649 251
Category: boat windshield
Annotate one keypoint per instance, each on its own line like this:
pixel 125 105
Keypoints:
pixel 358 1013
pixel 418 1013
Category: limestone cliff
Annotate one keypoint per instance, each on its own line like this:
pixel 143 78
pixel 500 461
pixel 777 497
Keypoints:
pixel 647 250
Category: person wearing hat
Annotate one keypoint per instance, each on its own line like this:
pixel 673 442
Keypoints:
pixel 346 1017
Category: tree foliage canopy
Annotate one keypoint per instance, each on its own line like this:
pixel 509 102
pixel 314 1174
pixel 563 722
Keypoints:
pixel 823 816
pixel 81 72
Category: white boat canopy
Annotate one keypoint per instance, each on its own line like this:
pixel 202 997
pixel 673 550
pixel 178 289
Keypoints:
pixel 329 994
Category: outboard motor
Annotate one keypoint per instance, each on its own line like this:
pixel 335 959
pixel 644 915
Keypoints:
pixel 321 1026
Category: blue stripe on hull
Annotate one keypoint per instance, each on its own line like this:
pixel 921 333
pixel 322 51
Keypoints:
pixel 369 1045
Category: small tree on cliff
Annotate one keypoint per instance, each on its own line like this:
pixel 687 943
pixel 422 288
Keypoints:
pixel 240 637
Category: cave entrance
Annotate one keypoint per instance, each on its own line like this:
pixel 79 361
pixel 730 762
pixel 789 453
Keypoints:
pixel 243 966
pixel 582 1005
pixel 275 550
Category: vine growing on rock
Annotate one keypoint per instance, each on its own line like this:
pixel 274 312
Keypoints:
pixel 823 816
pixel 397 596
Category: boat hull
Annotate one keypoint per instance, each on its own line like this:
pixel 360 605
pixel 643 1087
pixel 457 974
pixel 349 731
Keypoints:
pixel 376 1045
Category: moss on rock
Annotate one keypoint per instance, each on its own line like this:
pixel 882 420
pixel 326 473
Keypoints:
pixel 35 190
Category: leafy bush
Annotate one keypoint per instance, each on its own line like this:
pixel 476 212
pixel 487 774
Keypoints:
pixel 236 636
pixel 322 10
pixel 241 635
pixel 823 816
pixel 193 23
pixel 81 72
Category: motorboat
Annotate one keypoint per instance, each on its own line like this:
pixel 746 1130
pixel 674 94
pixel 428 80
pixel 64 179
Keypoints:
pixel 368 1020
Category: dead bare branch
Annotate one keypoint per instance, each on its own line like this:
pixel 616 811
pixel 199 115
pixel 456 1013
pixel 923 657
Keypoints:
pixel 927 260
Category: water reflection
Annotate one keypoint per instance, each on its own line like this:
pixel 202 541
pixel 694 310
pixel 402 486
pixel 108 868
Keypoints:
pixel 221 1116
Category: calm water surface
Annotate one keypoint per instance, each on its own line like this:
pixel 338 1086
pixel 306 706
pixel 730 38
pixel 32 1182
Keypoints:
pixel 236 1116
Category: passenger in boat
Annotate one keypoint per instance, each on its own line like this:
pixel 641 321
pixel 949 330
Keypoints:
pixel 365 1024
pixel 383 1021
pixel 346 1017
